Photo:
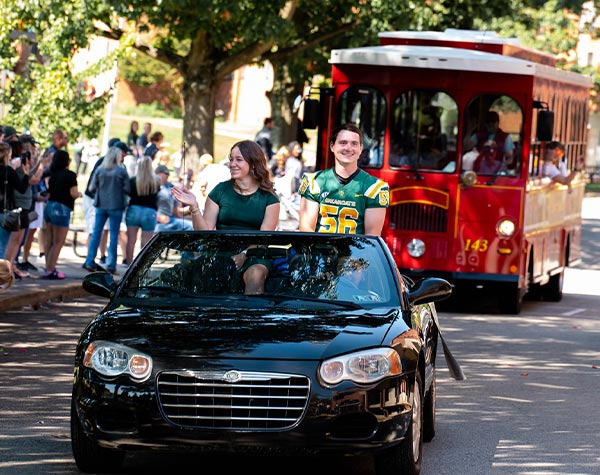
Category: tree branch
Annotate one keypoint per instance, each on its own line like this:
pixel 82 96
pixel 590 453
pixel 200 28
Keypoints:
pixel 244 57
pixel 312 41
pixel 172 59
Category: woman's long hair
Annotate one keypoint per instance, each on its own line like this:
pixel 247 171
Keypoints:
pixel 254 155
pixel 5 153
pixel 60 161
pixel 146 181
pixel 111 159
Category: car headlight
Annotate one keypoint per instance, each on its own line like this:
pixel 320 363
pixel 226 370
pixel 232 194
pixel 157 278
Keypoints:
pixel 506 228
pixel 113 359
pixel 415 248
pixel 363 367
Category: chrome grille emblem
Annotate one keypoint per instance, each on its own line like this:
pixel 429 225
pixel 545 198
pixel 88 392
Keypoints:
pixel 232 376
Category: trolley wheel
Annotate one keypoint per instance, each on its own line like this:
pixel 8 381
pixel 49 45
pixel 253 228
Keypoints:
pixel 552 291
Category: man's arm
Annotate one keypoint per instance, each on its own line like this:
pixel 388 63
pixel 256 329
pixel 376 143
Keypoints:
pixel 309 213
pixel 566 180
pixel 374 220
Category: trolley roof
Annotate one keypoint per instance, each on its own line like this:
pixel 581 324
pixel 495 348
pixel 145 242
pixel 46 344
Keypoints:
pixel 488 41
pixel 448 58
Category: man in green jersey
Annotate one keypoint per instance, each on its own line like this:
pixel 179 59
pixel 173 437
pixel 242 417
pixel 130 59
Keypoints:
pixel 343 199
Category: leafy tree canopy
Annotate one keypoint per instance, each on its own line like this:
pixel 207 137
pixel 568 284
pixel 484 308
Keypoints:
pixel 206 40
pixel 37 43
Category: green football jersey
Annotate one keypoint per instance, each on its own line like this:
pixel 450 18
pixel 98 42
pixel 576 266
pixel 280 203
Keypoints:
pixel 342 207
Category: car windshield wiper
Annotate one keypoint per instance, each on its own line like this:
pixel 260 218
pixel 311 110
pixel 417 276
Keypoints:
pixel 281 298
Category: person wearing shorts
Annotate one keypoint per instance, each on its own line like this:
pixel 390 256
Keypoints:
pixel 143 205
pixel 62 192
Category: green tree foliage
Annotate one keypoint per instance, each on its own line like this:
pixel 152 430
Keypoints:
pixel 41 93
pixel 204 41
pixel 207 40
pixel 298 61
pixel 551 26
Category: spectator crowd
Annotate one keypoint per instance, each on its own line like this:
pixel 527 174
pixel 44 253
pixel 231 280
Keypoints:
pixel 125 197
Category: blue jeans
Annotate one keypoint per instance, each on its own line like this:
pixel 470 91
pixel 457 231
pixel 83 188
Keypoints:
pixel 175 224
pixel 4 237
pixel 114 217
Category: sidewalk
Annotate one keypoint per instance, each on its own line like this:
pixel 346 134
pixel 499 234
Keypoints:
pixel 33 291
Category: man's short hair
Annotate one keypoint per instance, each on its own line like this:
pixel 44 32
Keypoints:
pixel 555 145
pixel 349 127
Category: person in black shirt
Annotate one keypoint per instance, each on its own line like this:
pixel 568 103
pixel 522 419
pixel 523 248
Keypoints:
pixel 9 182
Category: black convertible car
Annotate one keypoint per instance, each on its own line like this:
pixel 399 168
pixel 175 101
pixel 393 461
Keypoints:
pixel 337 356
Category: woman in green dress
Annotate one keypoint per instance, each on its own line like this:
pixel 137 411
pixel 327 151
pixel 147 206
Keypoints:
pixel 246 201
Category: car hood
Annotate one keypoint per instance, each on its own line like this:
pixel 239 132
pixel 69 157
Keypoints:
pixel 244 333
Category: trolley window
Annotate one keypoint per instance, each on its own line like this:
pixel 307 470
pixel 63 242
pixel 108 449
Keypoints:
pixel 366 107
pixel 492 143
pixel 424 130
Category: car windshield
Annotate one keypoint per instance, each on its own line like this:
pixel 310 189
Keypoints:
pixel 306 267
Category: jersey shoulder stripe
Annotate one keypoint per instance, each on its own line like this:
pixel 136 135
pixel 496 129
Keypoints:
pixel 375 188
pixel 309 184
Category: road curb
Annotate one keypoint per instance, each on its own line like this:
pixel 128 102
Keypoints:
pixel 38 296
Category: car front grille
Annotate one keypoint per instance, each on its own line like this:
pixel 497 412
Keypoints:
pixel 233 400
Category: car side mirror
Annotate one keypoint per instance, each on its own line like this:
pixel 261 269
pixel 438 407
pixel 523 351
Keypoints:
pixel 430 289
pixel 99 283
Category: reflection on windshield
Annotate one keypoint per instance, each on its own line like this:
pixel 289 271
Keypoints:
pixel 349 269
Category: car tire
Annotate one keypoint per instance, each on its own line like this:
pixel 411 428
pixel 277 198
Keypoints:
pixel 405 458
pixel 429 411
pixel 89 456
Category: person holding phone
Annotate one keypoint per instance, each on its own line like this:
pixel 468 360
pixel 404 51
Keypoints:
pixel 9 182
pixel 24 200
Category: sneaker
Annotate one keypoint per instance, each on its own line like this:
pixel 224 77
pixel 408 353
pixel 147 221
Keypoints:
pixel 103 260
pixel 112 271
pixel 93 268
pixel 29 266
pixel 55 275
pixel 125 263
pixel 21 266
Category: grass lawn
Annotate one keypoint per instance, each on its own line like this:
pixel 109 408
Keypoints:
pixel 172 129
pixel 592 188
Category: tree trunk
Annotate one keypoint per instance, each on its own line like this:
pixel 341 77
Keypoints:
pixel 198 120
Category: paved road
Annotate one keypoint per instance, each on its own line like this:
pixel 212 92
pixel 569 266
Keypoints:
pixel 527 407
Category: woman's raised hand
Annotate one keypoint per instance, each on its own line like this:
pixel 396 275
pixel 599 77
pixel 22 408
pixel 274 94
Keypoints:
pixel 184 196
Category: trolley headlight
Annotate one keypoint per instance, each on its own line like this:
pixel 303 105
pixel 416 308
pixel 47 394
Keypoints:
pixel 415 248
pixel 506 228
